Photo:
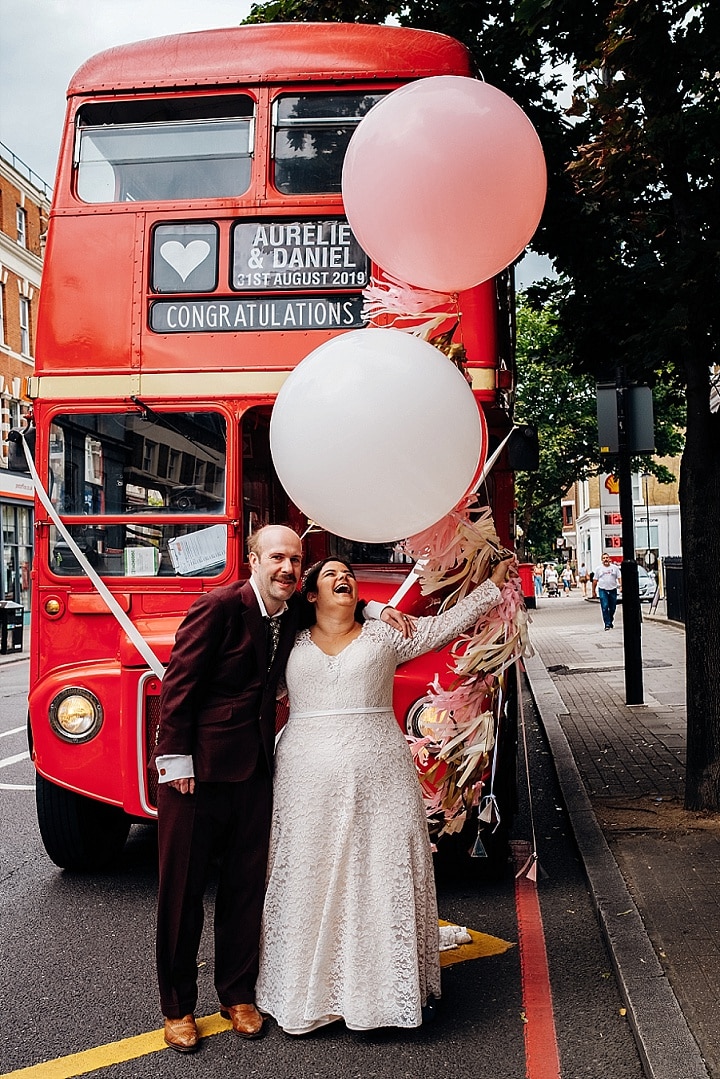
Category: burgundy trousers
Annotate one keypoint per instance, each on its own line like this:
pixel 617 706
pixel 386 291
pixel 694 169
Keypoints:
pixel 227 824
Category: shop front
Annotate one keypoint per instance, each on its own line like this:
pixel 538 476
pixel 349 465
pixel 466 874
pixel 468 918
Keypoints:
pixel 16 538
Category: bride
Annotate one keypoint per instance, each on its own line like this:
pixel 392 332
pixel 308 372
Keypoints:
pixel 350 924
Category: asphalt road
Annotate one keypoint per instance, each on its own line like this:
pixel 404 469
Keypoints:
pixel 77 961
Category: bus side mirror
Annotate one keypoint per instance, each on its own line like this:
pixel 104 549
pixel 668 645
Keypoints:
pixel 523 449
pixel 17 461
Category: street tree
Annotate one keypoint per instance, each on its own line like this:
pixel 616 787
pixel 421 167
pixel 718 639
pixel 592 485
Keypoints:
pixel 561 406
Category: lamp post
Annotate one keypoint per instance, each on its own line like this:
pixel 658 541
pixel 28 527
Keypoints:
pixel 646 477
pixel 625 427
pixel 632 634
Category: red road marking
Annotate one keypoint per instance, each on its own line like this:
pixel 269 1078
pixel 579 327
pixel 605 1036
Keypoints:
pixel 542 1059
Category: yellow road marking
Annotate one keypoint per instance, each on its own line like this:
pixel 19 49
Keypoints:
pixel 114 1053
pixel 103 1056
pixel 481 946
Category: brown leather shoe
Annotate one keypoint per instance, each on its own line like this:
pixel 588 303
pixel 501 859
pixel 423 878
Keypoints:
pixel 246 1020
pixel 182 1034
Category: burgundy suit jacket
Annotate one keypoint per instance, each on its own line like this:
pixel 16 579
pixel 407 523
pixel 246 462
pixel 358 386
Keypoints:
pixel 218 698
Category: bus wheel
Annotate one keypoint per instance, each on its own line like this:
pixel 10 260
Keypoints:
pixel 78 833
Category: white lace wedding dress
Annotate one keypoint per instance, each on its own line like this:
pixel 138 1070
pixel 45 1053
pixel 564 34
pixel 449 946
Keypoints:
pixel 350 926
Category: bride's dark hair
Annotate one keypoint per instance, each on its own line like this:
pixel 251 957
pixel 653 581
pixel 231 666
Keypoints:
pixel 309 583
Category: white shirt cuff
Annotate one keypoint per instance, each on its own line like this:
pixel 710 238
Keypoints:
pixel 174 766
pixel 374 609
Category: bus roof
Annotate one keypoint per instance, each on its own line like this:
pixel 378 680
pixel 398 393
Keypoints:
pixel 269 52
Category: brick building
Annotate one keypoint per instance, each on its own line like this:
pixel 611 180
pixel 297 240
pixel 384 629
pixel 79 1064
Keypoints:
pixel 24 208
pixel 592 524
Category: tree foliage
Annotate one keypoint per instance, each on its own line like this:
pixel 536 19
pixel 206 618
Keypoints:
pixel 562 403
pixel 632 223
pixel 372 11
pixel 643 260
pixel 562 408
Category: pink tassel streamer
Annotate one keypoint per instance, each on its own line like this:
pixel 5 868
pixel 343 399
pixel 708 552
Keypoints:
pixel 459 552
pixel 390 296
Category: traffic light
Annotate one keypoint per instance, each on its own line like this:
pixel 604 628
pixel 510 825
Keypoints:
pixel 523 449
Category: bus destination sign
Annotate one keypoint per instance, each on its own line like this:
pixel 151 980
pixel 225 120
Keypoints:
pixel 284 256
pixel 235 315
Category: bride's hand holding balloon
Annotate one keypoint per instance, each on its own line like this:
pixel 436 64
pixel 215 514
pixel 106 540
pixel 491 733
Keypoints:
pixel 502 571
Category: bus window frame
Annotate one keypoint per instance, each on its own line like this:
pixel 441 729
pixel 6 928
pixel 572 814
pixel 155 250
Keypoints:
pixel 79 126
pixel 319 122
pixel 227 518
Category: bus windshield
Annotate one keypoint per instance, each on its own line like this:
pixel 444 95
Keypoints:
pixel 138 462
pixel 132 152
pixel 142 465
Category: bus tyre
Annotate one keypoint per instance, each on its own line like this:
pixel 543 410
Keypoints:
pixel 78 833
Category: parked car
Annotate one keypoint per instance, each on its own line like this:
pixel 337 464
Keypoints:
pixel 646 585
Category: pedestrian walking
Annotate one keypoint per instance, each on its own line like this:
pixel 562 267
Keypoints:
pixel 606 581
pixel 552 581
pixel 568 580
pixel 538 572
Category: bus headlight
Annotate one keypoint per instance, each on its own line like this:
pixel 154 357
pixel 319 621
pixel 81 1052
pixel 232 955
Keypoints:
pixel 76 714
pixel 421 719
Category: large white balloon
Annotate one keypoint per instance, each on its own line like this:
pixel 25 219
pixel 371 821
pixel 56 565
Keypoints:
pixel 376 435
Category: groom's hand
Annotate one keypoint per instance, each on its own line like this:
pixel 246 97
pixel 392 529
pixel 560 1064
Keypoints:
pixel 403 623
pixel 184 786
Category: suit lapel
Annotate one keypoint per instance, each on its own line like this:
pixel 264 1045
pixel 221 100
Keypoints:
pixel 255 625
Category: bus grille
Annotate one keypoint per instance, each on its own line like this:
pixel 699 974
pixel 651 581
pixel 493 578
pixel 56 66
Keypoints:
pixel 152 721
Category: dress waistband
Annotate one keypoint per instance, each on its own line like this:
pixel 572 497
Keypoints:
pixel 341 712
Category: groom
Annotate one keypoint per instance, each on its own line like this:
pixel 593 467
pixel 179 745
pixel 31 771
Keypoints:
pixel 215 761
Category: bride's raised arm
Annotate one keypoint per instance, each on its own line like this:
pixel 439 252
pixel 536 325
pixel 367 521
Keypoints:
pixel 435 631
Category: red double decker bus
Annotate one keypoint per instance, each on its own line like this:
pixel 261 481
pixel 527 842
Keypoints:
pixel 197 251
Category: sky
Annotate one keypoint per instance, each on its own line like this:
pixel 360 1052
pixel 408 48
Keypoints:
pixel 43 43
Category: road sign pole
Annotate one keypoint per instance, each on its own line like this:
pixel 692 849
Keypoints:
pixel 632 619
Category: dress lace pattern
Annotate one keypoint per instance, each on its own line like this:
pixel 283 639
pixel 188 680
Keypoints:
pixel 350 927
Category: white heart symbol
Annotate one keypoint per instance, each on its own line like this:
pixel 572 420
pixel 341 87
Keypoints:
pixel 184 259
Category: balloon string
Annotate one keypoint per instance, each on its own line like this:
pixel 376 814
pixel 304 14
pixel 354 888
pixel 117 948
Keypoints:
pixel 492 459
pixel 419 566
pixel 313 526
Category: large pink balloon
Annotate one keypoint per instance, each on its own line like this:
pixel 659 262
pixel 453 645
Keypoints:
pixel 444 182
pixel 376 435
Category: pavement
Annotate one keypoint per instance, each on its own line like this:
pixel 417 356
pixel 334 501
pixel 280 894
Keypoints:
pixel 13 656
pixel 653 868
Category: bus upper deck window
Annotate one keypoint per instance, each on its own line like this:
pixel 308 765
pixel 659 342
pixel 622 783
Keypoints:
pixel 161 150
pixel 311 133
